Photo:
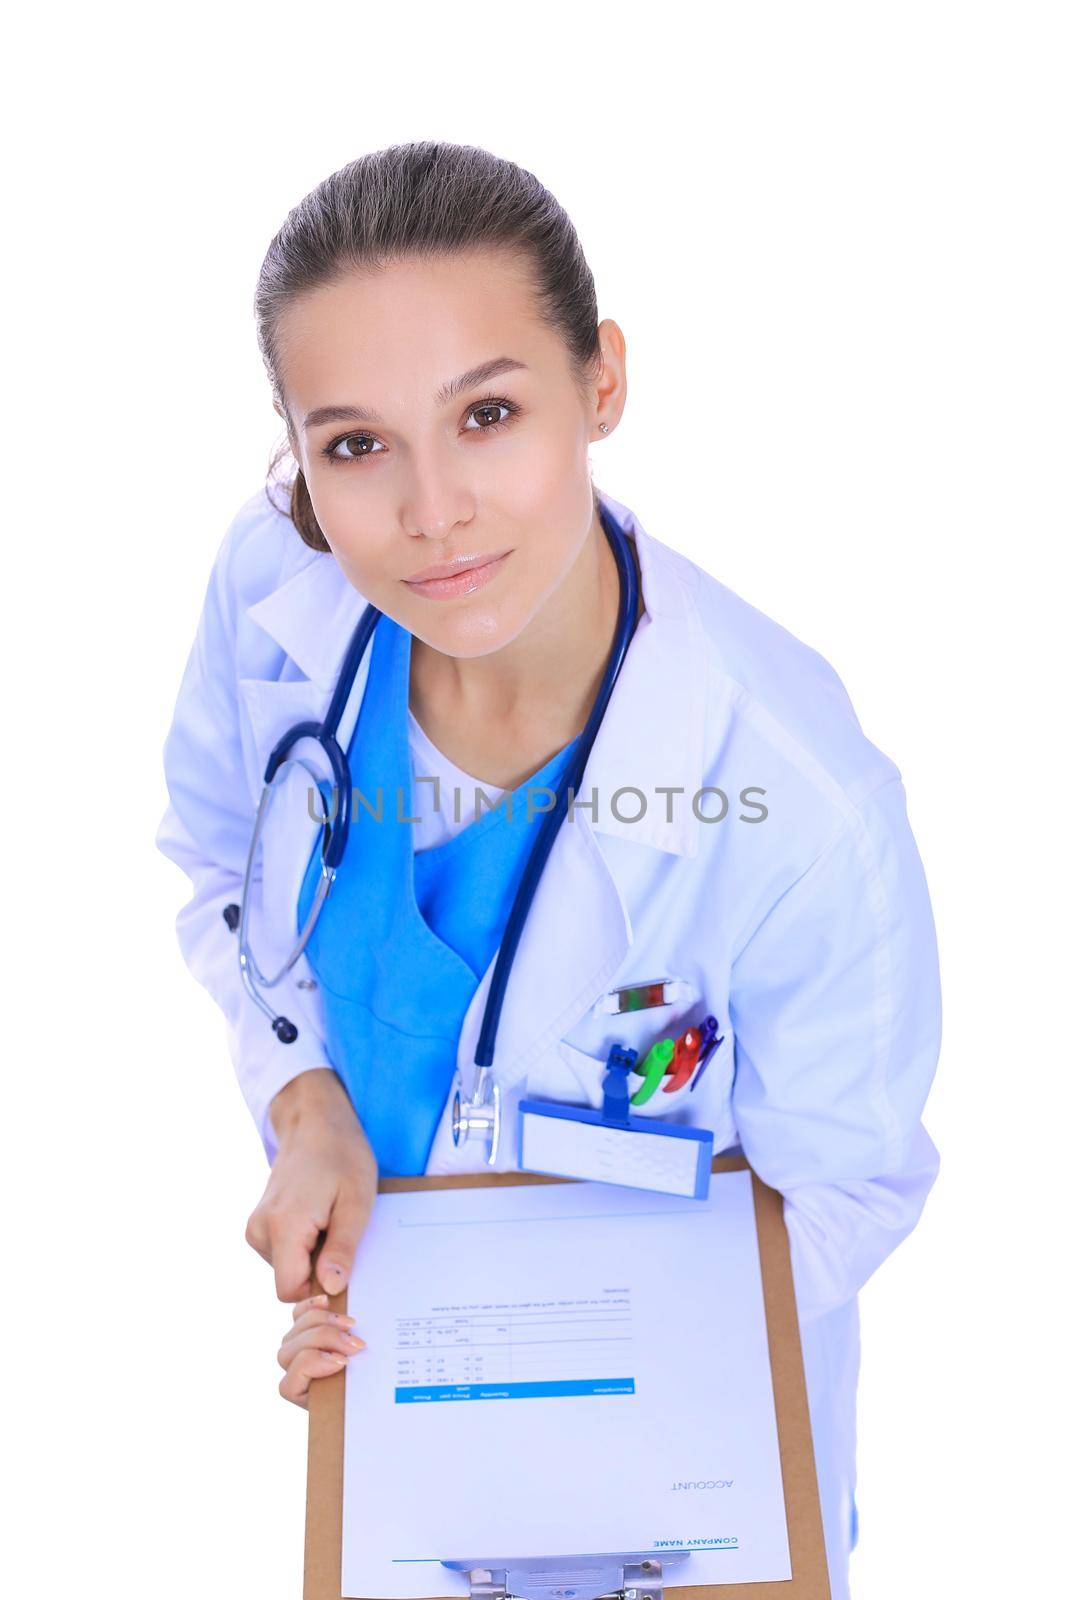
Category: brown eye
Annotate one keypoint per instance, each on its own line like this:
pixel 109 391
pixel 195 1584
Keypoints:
pixel 358 439
pixel 489 414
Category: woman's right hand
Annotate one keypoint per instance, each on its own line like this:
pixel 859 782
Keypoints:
pixel 317 1345
pixel 324 1179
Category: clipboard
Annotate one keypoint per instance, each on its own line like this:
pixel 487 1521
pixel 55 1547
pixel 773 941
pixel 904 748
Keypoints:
pixel 810 1580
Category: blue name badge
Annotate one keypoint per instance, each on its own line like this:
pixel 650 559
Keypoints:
pixel 612 1146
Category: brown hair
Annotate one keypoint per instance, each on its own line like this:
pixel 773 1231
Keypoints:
pixel 419 200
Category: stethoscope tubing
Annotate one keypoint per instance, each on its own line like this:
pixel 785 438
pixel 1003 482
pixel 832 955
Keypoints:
pixel 571 780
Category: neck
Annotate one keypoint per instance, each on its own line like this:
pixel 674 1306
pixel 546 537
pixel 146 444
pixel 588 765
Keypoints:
pixel 514 708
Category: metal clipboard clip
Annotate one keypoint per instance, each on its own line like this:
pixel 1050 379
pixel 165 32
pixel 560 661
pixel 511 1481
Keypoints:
pixel 632 1576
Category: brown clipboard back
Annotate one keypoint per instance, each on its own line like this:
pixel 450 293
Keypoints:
pixel 810 1580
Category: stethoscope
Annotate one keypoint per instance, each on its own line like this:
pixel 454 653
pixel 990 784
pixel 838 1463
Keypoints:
pixel 480 1115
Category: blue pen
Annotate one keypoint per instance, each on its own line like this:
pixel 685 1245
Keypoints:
pixel 709 1026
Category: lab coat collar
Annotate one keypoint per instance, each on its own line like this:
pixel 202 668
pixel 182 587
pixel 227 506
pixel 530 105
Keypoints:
pixel 311 614
pixel 651 739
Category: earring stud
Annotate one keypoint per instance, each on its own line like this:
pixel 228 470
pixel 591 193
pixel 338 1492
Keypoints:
pixel 603 427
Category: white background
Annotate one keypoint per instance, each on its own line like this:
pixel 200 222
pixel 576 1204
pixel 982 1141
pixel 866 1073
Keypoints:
pixel 834 238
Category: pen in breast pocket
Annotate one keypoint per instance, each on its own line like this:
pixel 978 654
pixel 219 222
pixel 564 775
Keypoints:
pixel 681 1061
pixel 709 1028
pixel 685 1060
pixel 653 1066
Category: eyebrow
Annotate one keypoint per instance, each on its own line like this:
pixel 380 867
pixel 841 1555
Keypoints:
pixel 447 392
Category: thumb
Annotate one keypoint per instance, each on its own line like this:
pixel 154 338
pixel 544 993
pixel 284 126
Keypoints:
pixel 334 1264
pixel 333 1275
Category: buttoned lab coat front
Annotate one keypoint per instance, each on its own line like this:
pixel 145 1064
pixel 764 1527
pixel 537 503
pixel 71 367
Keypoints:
pixel 808 932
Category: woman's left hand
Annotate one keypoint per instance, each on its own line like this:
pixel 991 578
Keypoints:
pixel 317 1345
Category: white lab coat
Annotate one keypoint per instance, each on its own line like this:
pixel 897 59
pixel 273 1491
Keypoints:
pixel 808 934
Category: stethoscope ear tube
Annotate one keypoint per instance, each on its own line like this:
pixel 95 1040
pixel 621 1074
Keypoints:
pixel 337 826
pixel 335 830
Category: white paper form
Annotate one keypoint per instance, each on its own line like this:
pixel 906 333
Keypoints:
pixel 559 1369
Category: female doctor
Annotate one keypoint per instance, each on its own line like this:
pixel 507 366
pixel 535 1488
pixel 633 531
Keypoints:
pixel 429 326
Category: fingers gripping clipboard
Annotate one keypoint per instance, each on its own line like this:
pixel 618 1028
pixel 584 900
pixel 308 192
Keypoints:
pixel 809 1581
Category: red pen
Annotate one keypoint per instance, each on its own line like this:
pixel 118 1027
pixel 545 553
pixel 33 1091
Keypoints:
pixel 684 1062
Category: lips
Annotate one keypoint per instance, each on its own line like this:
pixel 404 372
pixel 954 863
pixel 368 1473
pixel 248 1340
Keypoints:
pixel 457 577
pixel 451 569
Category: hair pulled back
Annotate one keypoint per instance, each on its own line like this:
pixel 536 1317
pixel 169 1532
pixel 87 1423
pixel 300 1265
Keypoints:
pixel 421 200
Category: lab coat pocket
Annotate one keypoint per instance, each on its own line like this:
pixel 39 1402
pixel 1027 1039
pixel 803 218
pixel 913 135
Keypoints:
pixel 638 1030
pixel 566 1075
pixel 575 1077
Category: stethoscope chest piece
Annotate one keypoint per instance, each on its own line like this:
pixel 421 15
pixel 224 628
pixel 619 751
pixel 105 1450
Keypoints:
pixel 480 1115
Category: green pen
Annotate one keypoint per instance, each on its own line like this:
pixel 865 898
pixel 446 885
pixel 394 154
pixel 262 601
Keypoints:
pixel 653 1066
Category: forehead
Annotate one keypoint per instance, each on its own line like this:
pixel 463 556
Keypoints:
pixel 406 327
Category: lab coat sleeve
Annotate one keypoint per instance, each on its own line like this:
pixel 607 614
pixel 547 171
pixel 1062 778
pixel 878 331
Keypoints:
pixel 835 1008
pixel 205 830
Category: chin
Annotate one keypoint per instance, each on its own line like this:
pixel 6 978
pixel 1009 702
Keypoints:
pixel 470 632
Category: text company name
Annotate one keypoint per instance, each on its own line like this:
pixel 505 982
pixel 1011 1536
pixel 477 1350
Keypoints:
pixel 704 1483
pixel 538 800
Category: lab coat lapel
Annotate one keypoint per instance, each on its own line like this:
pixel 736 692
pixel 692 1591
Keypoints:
pixel 648 758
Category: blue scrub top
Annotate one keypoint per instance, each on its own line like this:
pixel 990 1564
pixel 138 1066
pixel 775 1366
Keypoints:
pixel 403 940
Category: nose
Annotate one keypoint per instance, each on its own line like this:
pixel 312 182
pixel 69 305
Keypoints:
pixel 435 502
